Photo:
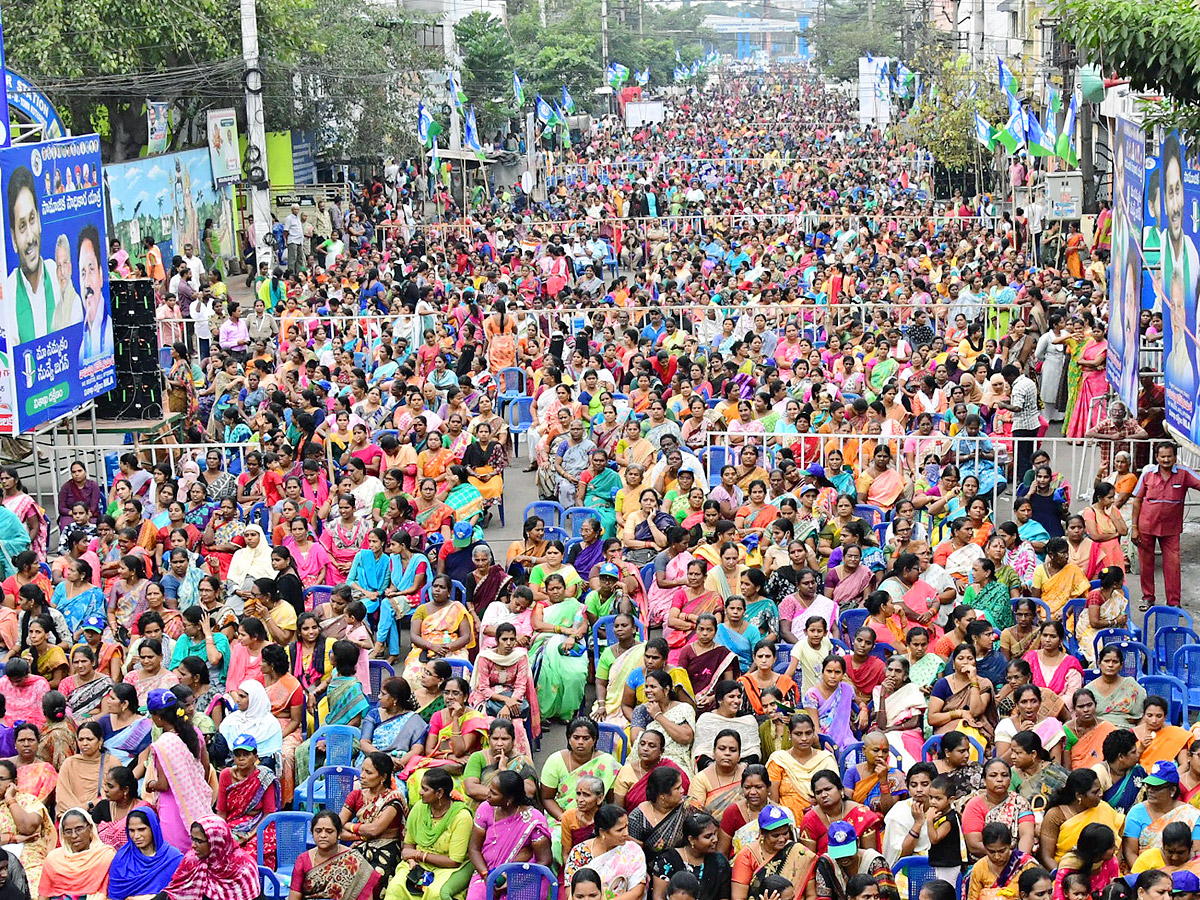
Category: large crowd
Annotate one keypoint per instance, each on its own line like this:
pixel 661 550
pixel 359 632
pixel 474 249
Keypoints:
pixel 852 634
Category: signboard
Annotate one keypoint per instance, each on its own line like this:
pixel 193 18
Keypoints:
pixel 223 146
pixel 1064 196
pixel 1175 283
pixel 158 120
pixel 1125 285
pixel 644 112
pixel 33 104
pixel 56 316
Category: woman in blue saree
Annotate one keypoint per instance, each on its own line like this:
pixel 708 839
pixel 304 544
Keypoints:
pixel 975 454
pixel 1028 528
pixel 76 597
pixel 409 573
pixel 737 634
pixel 598 485
pixel 134 872
pixel 371 571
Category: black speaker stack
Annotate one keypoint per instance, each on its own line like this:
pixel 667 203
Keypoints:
pixel 138 394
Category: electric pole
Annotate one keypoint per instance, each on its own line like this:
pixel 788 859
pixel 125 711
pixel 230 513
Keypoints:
pixel 256 136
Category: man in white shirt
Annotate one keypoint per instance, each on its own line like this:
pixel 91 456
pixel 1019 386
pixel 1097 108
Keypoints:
pixel 195 266
pixel 293 231
pixel 691 462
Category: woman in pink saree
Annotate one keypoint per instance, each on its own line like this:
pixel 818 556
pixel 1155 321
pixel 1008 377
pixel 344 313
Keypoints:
pixel 507 830
pixel 314 565
pixel 1051 665
pixel 1092 385
pixel 176 774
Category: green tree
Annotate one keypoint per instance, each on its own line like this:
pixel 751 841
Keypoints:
pixel 841 35
pixel 1156 45
pixel 487 66
pixel 946 126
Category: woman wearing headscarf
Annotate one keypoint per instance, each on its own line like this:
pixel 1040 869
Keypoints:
pixel 253 717
pixel 215 868
pixel 250 562
pixel 145 863
pixel 78 868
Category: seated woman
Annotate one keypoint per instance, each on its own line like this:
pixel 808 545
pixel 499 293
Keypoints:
pixel 883 618
pixel 791 771
pixel 874 782
pixel 500 755
pixel 515 608
pixel 777 850
pixel 1051 665
pixel 25 820
pixel 657 822
pixel 79 866
pixel 373 815
pixel 33 776
pixel 719 784
pixel 1001 865
pixel 738 634
pixel 1160 741
pixel 455 733
pixel 1093 856
pixel 727 714
pixel 1161 807
pixel 763 676
pixel 654 658
pixel 1058 580
pixel 437 839
pixel 829 703
pixel 691 601
pixel 81 774
pixel 251 716
pixel 393 727
pixel 661 712
pixel 248 792
pixel 503 684
pixel 954 761
pixel 1021 637
pixel 214 866
pixel 698 859
pixel 1070 812
pixel 1120 700
pixel 900 705
pixel 441 626
pixel 58 741
pixel 618 860
pixel 998 803
pixel 617 662
pixel 507 830
pixel 1107 607
pixel 629 787
pixel 830 805
pixel 1034 777
pixel 330 870
pixel 562 772
pixel 963 701
pixel 559 651
pixel 144 863
pixel 1028 715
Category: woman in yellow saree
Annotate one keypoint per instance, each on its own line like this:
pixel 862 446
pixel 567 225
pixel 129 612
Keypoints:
pixel 1160 741
pixel 24 820
pixel 440 627
pixel 1076 805
pixel 455 733
pixel 616 665
pixel 1058 580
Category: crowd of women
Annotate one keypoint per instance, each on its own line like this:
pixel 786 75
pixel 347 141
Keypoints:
pixel 792 475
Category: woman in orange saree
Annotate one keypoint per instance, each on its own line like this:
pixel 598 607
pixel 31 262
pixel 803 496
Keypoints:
pixel 500 332
pixel 1159 741
pixel 435 461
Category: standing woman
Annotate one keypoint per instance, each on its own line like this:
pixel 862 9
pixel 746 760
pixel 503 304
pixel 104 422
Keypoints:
pixel 1106 526
pixel 25 508
pixel 176 769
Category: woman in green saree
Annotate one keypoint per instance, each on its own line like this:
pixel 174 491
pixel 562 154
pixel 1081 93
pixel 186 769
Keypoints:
pixel 558 654
pixel 882 371
pixel 616 666
pixel 437 836
pixel 562 771
pixel 463 497
pixel 598 485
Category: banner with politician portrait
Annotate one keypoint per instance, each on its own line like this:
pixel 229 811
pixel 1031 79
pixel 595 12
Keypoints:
pixel 55 314
pixel 1175 283
pixel 1125 284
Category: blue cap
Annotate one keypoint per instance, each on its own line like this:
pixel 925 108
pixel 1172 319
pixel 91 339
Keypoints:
pixel 773 817
pixel 160 699
pixel 816 470
pixel 244 742
pixel 94 623
pixel 1162 772
pixel 464 533
pixel 1185 882
pixel 843 840
pixel 610 569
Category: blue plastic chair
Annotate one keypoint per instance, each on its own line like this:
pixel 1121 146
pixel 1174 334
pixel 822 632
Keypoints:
pixel 783 657
pixel 379 671
pixel 518 415
pixel 270 885
pixel 717 458
pixel 871 514
pixel 851 620
pixel 572 543
pixel 854 750
pixel 1186 667
pixel 523 881
pixel 883 652
pixel 339 750
pixel 1042 605
pixel 918 873
pixel 1135 655
pixel 1072 610
pixel 1174 692
pixel 260 515
pixel 825 742
pixel 512 385
pixel 610 259
pixel 291 839
pixel 930 748
pixel 606 623
pixel 575 516
pixel 612 740
pixel 555 533
pixel 328 787
pixel 458 591
pixel 1106 636
pixel 1168 640
pixel 461 668
pixel 839 645
pixel 1158 617
pixel 316 595
pixel 881 529
pixel 549 511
